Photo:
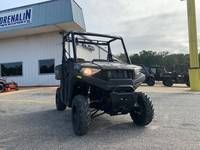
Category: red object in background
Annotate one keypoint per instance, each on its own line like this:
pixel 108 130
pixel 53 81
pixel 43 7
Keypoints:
pixel 12 86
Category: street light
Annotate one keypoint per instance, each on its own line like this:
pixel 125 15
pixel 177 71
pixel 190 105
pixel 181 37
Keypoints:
pixel 194 71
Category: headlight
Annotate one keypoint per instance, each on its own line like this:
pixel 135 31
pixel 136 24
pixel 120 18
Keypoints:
pixel 89 71
pixel 138 71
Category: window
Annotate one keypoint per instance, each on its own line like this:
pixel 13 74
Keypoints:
pixel 46 66
pixel 11 69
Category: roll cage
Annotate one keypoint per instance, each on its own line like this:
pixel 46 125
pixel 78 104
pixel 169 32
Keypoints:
pixel 87 38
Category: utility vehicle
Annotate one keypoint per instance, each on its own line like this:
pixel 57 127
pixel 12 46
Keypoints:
pixel 158 72
pixel 149 76
pixel 179 74
pixel 93 81
pixel 171 78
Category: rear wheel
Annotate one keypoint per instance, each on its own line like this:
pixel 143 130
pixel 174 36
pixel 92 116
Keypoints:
pixel 59 104
pixel 80 115
pixel 150 81
pixel 168 82
pixel 144 112
pixel 1 88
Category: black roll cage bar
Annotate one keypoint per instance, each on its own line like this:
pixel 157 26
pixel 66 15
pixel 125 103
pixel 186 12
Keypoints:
pixel 71 38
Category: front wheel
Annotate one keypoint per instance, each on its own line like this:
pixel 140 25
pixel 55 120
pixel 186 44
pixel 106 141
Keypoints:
pixel 80 115
pixel 150 81
pixel 143 114
pixel 59 104
pixel 168 82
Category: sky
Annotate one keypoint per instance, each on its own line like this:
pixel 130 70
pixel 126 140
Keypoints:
pixel 158 25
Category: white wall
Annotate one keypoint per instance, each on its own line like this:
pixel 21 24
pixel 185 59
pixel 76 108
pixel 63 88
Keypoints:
pixel 29 50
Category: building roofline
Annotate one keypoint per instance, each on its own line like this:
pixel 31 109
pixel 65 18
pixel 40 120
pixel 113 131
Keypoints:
pixel 77 4
pixel 68 12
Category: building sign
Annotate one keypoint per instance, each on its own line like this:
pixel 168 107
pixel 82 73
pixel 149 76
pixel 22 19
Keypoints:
pixel 15 18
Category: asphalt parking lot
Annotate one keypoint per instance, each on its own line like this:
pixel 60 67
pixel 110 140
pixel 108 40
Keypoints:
pixel 28 120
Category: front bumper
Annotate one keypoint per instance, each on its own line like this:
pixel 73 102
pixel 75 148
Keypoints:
pixel 122 103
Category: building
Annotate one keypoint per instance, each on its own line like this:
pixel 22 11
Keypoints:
pixel 31 40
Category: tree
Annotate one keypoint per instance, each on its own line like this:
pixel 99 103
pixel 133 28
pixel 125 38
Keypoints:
pixel 165 59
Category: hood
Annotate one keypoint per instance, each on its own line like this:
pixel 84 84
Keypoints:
pixel 110 65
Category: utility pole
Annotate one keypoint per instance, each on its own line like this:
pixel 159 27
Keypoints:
pixel 194 71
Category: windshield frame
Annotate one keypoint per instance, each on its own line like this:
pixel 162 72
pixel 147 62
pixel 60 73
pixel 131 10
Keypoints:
pixel 71 38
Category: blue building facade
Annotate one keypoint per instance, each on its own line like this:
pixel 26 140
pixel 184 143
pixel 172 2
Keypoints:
pixel 62 15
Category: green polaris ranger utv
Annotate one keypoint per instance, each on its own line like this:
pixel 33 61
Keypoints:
pixel 93 81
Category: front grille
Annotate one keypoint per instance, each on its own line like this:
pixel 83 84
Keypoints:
pixel 116 74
